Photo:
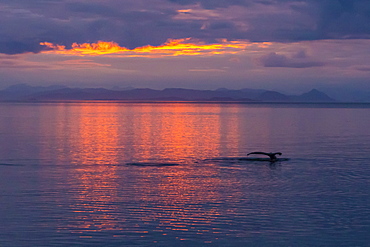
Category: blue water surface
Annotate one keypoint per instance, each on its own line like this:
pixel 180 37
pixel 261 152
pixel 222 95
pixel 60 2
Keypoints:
pixel 120 174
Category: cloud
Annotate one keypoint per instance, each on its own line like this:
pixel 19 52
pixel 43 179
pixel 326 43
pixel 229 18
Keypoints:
pixel 92 9
pixel 172 47
pixel 342 58
pixel 212 4
pixel 27 26
pixel 298 60
pixel 17 62
pixel 343 19
pixel 80 64
pixel 207 70
pixel 363 68
pixel 196 13
pixel 134 23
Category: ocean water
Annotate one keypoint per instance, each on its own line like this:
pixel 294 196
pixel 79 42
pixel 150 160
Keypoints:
pixel 174 174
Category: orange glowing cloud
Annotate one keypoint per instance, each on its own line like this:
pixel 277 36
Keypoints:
pixel 173 47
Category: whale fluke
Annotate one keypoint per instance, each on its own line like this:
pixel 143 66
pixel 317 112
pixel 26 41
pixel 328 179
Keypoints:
pixel 271 155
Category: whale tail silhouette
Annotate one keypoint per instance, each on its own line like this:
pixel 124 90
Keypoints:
pixel 271 155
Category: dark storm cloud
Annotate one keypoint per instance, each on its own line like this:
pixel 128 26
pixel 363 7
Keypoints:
pixel 16 47
pixel 64 23
pixel 298 60
pixel 303 19
pixel 344 19
pixel 92 9
pixel 133 23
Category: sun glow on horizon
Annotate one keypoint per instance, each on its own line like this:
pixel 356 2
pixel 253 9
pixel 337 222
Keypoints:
pixel 172 47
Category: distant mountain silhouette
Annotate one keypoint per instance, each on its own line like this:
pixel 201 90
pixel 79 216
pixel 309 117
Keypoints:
pixel 313 96
pixel 118 88
pixel 272 96
pixel 24 92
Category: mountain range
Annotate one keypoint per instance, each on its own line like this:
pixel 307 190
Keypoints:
pixel 25 92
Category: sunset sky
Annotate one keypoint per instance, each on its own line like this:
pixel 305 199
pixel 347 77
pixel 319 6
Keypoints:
pixel 290 45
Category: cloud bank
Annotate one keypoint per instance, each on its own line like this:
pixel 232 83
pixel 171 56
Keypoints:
pixel 137 23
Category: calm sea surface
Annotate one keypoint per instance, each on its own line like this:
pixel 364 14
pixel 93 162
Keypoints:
pixel 116 174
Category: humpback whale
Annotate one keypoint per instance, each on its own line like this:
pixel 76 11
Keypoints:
pixel 271 155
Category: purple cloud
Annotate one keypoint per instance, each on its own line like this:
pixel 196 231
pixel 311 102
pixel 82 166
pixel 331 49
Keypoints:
pixel 212 4
pixel 298 60
pixel 132 24
pixel 15 62
pixel 363 68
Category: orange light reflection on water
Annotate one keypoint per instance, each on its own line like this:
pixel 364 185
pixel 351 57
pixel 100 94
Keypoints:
pixel 99 128
pixel 176 133
pixel 105 136
pixel 94 143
